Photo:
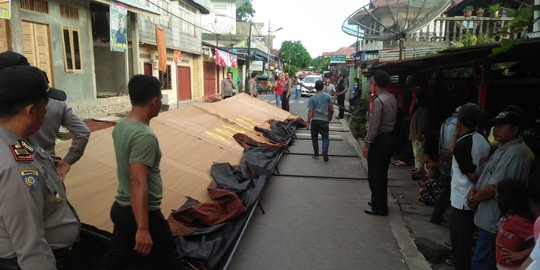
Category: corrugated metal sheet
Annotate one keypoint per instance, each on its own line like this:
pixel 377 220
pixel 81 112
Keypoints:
pixel 386 55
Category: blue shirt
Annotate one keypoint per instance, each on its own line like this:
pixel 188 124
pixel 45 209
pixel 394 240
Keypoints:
pixel 507 162
pixel 448 129
pixel 319 103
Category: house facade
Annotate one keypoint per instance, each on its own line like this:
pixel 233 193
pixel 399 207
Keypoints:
pixel 71 41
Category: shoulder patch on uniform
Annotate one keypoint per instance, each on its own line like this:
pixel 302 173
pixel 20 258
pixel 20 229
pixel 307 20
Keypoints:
pixel 30 178
pixel 26 145
pixel 21 153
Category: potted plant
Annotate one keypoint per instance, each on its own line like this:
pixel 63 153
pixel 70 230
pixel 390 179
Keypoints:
pixel 467 11
pixel 480 12
pixel 358 120
pixel 494 10
pixel 508 12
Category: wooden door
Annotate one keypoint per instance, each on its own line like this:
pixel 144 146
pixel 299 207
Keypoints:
pixel 210 80
pixel 37 47
pixel 148 69
pixel 184 83
pixel 5 42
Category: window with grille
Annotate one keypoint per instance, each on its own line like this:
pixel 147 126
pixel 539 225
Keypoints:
pixel 165 78
pixel 35 5
pixel 69 12
pixel 72 50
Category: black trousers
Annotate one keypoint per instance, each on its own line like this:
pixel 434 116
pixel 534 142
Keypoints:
pixel 320 127
pixel 379 155
pixel 461 236
pixel 285 100
pixel 341 103
pixel 444 199
pixel 164 253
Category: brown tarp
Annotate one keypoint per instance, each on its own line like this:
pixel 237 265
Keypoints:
pixel 191 139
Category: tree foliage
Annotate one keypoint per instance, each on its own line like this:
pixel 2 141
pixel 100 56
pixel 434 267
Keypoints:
pixel 245 12
pixel 294 53
pixel 320 64
pixel 291 69
pixel 519 25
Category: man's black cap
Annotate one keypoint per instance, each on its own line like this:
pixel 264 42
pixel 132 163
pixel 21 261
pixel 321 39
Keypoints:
pixel 20 84
pixel 9 59
pixel 508 117
pixel 319 85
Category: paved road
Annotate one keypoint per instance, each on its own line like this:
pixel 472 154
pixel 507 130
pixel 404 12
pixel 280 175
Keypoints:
pixel 314 212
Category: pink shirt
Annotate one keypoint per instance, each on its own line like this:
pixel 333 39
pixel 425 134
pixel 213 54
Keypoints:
pixel 513 232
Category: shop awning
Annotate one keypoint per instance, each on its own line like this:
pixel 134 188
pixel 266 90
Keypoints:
pixel 455 57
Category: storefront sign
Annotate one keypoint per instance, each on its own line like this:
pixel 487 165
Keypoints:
pixel 338 59
pixel 256 65
pixel 118 27
pixel 5 9
pixel 177 57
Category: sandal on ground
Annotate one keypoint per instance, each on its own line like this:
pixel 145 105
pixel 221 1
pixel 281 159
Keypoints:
pixel 399 163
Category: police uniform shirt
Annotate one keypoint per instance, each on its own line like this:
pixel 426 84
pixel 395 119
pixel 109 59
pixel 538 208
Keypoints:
pixel 381 116
pixel 59 113
pixel 34 214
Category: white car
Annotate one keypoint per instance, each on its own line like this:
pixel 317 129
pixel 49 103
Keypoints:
pixel 308 85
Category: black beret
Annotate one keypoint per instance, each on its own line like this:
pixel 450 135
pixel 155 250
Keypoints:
pixel 9 59
pixel 381 78
pixel 21 84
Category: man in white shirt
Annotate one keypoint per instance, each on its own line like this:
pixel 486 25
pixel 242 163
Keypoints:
pixel 470 153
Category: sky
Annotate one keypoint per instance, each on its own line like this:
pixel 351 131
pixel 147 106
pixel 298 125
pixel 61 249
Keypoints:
pixel 317 24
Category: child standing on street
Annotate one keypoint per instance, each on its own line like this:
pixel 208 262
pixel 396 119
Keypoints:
pixel 515 238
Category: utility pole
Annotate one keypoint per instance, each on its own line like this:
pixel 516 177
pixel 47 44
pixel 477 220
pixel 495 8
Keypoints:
pixel 268 44
pixel 248 58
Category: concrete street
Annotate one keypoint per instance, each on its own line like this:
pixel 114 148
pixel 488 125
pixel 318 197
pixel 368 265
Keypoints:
pixel 314 213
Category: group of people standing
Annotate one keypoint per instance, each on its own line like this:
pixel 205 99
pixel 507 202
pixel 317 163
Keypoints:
pixel 283 87
pixel 484 180
pixel 486 184
pixel 38 225
pixel 488 192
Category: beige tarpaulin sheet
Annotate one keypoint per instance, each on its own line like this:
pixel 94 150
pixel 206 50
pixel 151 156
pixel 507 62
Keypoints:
pixel 191 139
